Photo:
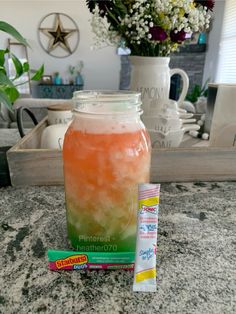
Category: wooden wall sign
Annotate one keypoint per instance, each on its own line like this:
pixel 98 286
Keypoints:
pixel 58 35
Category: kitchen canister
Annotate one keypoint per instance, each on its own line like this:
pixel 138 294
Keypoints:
pixel 59 114
pixel 59 118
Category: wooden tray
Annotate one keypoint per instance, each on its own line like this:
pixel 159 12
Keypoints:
pixel 30 165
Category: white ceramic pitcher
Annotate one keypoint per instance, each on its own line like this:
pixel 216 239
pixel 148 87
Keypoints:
pixel 151 76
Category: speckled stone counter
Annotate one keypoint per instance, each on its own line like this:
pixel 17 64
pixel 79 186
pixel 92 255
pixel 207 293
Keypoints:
pixel 196 256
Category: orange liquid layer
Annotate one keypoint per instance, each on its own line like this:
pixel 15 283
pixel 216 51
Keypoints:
pixel 101 175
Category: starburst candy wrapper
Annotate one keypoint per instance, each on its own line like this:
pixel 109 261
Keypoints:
pixel 72 260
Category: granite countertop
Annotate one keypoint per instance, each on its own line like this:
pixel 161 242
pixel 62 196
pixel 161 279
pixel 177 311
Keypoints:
pixel 195 263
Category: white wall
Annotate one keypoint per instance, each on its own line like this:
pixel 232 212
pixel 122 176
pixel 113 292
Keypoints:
pixel 214 43
pixel 101 67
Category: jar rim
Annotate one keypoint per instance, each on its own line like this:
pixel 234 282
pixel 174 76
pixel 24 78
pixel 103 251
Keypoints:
pixel 106 95
pixel 107 102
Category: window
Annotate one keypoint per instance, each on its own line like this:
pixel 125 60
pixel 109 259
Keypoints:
pixel 19 50
pixel 226 71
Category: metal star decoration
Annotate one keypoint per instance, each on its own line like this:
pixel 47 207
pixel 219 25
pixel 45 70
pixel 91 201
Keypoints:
pixel 58 35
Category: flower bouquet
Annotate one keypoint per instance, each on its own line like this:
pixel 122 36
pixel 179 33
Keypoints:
pixel 149 27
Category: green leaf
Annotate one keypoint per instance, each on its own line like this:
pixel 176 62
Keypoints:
pixel 110 14
pixel 194 94
pixel 25 67
pixel 37 76
pixel 4 99
pixel 2 57
pixel 9 29
pixel 18 66
pixel 12 93
pixel 2 70
pixel 205 94
pixel 121 7
pixel 4 80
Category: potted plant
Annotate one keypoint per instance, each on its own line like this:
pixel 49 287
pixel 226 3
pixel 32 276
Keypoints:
pixel 198 97
pixel 75 74
pixel 79 79
pixel 8 87
pixel 71 71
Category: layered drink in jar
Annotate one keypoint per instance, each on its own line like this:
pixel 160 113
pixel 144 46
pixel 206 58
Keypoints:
pixel 106 154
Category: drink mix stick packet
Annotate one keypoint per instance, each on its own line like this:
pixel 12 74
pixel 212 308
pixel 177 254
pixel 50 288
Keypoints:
pixel 145 259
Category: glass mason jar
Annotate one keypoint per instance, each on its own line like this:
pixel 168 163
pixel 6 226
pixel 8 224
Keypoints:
pixel 106 154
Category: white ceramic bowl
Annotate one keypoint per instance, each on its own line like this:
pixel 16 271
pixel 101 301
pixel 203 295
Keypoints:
pixel 166 105
pixel 172 138
pixel 162 124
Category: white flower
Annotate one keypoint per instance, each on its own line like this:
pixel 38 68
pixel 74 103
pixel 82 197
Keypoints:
pixel 134 27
